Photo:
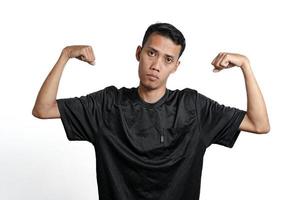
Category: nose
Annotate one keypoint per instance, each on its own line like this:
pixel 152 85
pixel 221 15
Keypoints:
pixel 156 65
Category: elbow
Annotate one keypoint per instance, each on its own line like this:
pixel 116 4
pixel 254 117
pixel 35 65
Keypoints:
pixel 45 112
pixel 37 113
pixel 261 126
pixel 263 129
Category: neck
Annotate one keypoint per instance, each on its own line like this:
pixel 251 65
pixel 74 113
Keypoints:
pixel 151 95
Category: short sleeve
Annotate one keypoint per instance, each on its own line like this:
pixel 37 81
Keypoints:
pixel 80 115
pixel 219 124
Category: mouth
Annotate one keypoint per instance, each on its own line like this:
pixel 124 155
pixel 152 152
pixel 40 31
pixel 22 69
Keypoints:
pixel 152 76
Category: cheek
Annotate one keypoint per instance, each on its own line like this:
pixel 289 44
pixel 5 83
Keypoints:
pixel 144 64
pixel 141 70
pixel 146 60
pixel 166 74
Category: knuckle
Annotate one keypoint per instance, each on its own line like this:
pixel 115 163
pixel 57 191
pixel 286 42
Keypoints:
pixel 89 48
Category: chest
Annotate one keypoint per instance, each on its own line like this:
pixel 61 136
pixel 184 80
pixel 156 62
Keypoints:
pixel 147 129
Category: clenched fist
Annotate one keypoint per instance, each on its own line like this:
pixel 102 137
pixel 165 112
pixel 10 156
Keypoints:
pixel 82 52
pixel 227 60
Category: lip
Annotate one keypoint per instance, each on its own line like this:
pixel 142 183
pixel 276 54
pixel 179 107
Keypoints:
pixel 151 75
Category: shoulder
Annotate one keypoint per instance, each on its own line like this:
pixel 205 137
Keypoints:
pixel 103 93
pixel 110 91
pixel 186 93
pixel 192 96
pixel 114 95
pixel 103 96
pixel 185 98
pixel 114 90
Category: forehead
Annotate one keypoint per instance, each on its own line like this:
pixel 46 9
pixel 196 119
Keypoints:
pixel 163 44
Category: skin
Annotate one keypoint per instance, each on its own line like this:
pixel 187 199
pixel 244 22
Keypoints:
pixel 158 58
pixel 45 106
pixel 256 119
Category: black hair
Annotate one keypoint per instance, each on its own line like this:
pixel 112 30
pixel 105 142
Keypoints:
pixel 167 30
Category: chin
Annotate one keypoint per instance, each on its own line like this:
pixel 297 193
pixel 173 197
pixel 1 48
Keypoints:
pixel 150 86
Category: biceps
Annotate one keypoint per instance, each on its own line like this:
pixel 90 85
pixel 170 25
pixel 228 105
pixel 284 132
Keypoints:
pixel 47 112
pixel 247 125
pixel 54 111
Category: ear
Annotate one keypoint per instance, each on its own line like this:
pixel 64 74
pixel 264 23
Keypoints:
pixel 176 66
pixel 138 53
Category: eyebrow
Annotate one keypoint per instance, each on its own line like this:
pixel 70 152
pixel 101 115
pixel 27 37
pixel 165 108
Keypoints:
pixel 153 49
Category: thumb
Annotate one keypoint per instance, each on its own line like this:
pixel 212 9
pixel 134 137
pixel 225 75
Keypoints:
pixel 216 70
pixel 92 63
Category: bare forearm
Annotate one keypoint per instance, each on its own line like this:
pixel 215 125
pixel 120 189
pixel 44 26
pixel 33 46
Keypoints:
pixel 256 107
pixel 46 97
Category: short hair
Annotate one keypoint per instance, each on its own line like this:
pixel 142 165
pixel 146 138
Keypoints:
pixel 167 30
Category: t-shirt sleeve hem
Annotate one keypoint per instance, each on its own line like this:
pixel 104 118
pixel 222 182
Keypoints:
pixel 64 120
pixel 235 130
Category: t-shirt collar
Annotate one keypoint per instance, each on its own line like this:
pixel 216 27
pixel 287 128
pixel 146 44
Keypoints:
pixel 149 105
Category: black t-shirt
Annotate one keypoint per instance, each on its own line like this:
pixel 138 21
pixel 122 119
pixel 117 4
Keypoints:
pixel 149 151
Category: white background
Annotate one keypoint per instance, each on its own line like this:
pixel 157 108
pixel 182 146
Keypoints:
pixel 37 162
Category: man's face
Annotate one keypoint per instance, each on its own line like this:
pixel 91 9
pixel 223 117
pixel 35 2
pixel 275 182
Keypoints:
pixel 157 60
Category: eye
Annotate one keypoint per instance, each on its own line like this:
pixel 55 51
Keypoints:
pixel 151 53
pixel 169 60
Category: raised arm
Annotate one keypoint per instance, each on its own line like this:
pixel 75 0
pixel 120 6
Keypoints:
pixel 256 119
pixel 45 106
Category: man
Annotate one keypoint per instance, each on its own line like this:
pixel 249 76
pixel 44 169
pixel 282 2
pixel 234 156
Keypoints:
pixel 150 141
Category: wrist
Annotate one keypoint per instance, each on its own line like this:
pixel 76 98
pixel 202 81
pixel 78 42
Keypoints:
pixel 246 69
pixel 245 65
pixel 66 52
